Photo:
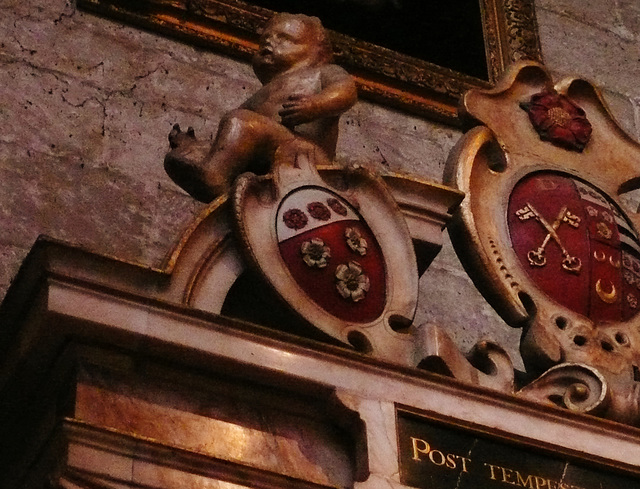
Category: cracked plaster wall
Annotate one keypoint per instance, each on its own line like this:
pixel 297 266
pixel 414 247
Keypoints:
pixel 86 104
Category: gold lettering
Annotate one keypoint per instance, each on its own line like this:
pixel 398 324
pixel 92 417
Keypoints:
pixel 506 474
pixel 451 461
pixel 422 448
pixel 418 450
pixel 492 467
pixel 464 463
pixel 528 483
pixel 540 482
pixel 440 454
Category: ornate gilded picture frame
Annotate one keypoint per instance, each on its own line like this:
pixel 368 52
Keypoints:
pixel 419 86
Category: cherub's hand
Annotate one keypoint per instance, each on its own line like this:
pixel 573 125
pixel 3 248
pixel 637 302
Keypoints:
pixel 177 137
pixel 298 110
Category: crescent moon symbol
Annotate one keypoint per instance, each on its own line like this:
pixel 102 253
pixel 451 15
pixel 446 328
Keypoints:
pixel 608 297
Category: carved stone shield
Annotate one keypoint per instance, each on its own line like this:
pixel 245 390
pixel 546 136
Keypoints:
pixel 576 245
pixel 332 254
pixel 337 251
pixel 544 236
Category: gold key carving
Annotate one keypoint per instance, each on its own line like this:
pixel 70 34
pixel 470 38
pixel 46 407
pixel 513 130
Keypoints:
pixel 537 257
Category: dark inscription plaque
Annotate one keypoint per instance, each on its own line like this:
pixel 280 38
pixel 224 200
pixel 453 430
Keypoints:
pixel 434 456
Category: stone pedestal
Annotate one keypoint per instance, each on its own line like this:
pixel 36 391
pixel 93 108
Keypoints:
pixel 118 376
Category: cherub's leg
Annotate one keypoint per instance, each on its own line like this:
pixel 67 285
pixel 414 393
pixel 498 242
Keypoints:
pixel 206 171
pixel 242 136
pixel 184 162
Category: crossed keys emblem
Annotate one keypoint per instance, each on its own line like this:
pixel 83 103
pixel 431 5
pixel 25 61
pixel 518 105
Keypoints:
pixel 537 257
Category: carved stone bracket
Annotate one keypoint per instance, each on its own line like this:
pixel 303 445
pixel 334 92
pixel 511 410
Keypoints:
pixel 577 387
pixel 487 364
pixel 572 386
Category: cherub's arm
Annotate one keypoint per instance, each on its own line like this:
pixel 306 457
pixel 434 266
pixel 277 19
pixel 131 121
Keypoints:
pixel 337 95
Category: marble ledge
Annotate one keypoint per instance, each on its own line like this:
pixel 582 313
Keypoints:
pixel 98 457
pixel 65 307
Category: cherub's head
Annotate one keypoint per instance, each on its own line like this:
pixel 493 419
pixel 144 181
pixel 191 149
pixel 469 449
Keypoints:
pixel 290 41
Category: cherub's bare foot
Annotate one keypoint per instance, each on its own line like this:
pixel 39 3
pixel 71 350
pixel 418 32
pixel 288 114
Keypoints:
pixel 189 175
pixel 178 138
pixel 185 164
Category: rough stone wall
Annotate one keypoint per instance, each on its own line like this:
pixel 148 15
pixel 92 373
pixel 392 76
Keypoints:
pixel 600 41
pixel 86 104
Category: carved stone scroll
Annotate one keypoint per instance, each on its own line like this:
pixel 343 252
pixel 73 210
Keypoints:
pixel 572 386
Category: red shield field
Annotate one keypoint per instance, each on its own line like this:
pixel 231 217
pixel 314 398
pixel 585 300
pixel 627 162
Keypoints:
pixel 332 254
pixel 576 245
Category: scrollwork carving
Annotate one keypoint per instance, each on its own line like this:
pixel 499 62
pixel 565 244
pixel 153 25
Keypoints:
pixel 573 386
pixel 487 364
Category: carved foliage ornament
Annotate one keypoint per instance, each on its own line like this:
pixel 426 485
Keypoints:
pixel 544 237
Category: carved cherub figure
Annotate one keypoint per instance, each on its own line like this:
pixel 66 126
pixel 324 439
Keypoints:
pixel 302 97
